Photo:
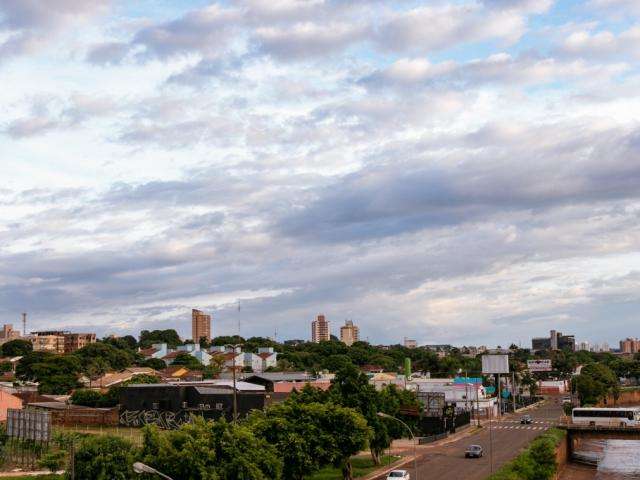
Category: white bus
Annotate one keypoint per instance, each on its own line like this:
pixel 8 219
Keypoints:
pixel 613 417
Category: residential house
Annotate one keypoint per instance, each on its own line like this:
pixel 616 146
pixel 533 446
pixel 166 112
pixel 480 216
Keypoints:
pixel 269 358
pixel 112 379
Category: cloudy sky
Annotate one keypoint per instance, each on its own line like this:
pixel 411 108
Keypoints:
pixel 456 171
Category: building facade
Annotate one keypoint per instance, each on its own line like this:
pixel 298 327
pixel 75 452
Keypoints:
pixel 320 330
pixel 555 341
pixel 48 341
pixel 630 345
pixel 76 341
pixel 349 333
pixel 409 343
pixel 200 325
pixel 56 341
pixel 8 333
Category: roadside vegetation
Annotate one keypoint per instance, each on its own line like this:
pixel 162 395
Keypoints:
pixel 536 462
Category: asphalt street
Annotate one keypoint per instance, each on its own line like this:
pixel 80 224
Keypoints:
pixel 506 437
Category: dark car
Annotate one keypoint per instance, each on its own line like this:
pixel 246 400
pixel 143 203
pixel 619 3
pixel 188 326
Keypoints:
pixel 473 451
pixel 526 419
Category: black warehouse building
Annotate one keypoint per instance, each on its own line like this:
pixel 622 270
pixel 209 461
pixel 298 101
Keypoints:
pixel 157 400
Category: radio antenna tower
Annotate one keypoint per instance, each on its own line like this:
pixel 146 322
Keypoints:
pixel 238 318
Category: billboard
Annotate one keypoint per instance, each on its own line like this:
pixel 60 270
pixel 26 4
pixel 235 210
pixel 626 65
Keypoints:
pixel 542 365
pixel 29 424
pixel 495 363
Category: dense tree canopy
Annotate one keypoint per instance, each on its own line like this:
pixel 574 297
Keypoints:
pixel 16 348
pixel 211 451
pixel 170 337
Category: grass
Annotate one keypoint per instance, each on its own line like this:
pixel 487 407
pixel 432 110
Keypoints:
pixel 134 435
pixel 361 466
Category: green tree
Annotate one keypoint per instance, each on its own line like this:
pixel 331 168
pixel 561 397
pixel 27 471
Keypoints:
pixel 86 397
pixel 211 451
pixel 170 337
pixel 104 458
pixel 6 367
pixel 154 363
pixel 56 374
pixel 543 454
pixel 16 348
pixel 311 435
pixel 187 360
pixel 105 355
pixel 595 382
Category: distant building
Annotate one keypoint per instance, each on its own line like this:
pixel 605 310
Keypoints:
pixel 48 341
pixel 200 325
pixel 320 330
pixel 630 345
pixel 349 333
pixel 57 341
pixel 294 342
pixel 555 341
pixel 76 341
pixel 585 346
pixel 8 333
pixel 408 343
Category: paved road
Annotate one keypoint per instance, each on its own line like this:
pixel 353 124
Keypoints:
pixel 508 437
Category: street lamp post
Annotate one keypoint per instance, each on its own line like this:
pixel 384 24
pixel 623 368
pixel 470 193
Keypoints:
pixel 415 451
pixel 140 467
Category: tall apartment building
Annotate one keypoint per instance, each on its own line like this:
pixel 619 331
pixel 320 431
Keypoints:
pixel 409 343
pixel 8 333
pixel 76 341
pixel 630 345
pixel 349 333
pixel 320 330
pixel 555 341
pixel 200 325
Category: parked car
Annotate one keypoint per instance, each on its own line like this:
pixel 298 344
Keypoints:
pixel 398 475
pixel 473 451
pixel 526 419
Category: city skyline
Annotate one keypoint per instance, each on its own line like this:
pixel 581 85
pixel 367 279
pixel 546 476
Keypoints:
pixel 322 156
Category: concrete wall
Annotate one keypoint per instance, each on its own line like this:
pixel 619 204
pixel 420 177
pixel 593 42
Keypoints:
pixel 628 397
pixel 562 457
pixel 8 401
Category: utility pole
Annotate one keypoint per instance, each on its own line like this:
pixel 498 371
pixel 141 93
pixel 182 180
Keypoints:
pixel 513 389
pixel 235 390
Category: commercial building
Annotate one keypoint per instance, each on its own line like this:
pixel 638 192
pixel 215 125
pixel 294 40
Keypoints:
pixel 555 341
pixel 200 325
pixel 320 330
pixel 349 333
pixel 170 405
pixel 76 341
pixel 630 345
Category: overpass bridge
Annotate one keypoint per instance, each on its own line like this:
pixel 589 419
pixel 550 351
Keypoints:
pixel 585 443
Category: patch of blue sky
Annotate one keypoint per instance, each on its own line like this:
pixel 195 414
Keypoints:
pixel 160 10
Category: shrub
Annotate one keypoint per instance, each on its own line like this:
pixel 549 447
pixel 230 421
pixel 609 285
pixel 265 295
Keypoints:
pixel 104 458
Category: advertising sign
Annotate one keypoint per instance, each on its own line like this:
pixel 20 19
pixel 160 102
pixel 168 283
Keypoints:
pixel 495 364
pixel 29 424
pixel 542 365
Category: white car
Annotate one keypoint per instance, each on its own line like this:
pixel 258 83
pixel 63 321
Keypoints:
pixel 398 475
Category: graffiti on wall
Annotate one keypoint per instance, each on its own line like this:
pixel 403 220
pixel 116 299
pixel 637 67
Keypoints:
pixel 161 418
